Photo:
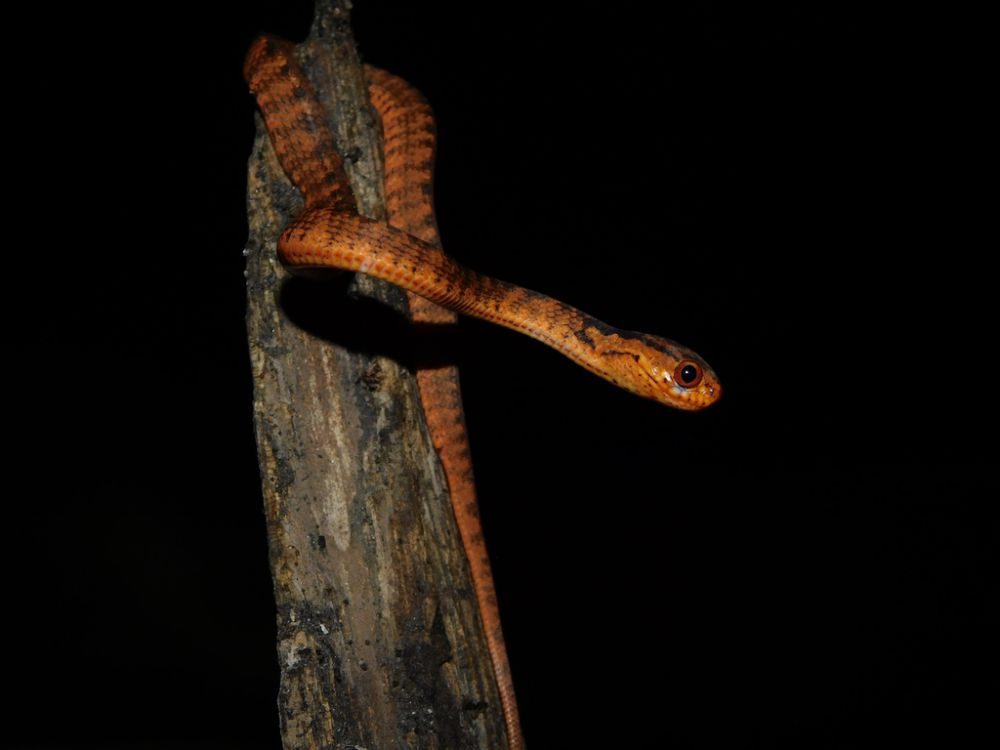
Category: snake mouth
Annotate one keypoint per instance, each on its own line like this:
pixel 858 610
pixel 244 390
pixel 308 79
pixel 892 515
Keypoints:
pixel 715 391
pixel 697 399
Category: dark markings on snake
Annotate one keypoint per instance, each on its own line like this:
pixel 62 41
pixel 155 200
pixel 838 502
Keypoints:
pixel 581 333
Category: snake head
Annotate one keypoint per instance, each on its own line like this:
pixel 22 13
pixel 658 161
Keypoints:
pixel 679 376
pixel 656 368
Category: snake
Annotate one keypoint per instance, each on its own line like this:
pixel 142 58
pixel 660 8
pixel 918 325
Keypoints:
pixel 330 233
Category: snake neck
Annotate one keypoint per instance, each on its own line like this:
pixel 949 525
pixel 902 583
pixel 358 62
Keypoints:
pixel 328 238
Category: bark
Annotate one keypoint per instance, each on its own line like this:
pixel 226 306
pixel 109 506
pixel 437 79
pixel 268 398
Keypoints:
pixel 380 644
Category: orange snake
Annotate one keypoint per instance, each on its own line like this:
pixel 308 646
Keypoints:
pixel 329 233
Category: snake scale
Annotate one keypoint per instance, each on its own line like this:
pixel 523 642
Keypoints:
pixel 330 233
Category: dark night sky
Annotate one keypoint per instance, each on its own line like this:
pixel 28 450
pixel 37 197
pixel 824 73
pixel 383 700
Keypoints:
pixel 808 565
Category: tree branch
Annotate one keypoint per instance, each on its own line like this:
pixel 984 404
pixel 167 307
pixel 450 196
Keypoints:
pixel 379 639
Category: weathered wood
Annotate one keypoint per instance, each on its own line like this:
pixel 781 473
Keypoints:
pixel 379 640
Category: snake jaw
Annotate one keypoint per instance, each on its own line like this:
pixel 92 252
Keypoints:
pixel 697 398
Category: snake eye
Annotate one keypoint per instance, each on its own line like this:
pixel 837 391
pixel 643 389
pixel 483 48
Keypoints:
pixel 688 374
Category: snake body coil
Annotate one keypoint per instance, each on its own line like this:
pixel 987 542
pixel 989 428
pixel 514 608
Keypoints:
pixel 329 233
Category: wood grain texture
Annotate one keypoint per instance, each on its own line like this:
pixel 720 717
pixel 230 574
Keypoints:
pixel 379 639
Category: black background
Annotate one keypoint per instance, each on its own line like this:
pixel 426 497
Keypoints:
pixel 808 564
